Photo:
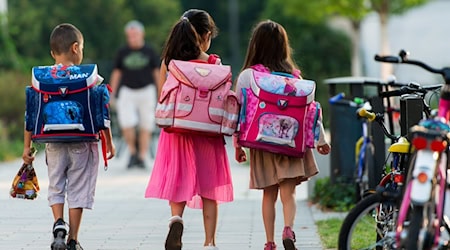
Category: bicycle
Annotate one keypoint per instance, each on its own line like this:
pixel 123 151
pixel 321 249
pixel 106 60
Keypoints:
pixel 366 175
pixel 421 216
pixel 376 212
pixel 373 219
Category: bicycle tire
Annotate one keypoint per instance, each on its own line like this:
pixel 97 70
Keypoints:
pixel 414 227
pixel 354 233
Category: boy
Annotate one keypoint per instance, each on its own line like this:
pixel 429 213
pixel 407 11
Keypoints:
pixel 72 166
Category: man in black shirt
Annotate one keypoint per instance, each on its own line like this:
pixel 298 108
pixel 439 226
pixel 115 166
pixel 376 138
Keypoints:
pixel 133 82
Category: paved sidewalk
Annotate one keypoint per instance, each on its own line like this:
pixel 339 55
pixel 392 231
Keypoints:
pixel 123 219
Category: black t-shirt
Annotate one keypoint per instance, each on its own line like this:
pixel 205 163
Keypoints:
pixel 137 66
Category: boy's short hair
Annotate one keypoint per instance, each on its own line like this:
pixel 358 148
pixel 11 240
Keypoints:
pixel 134 24
pixel 63 36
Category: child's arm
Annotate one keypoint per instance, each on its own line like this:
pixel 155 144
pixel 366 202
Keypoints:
pixel 239 153
pixel 323 147
pixel 161 78
pixel 110 147
pixel 27 157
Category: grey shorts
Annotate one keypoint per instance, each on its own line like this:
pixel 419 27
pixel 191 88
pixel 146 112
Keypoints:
pixel 72 171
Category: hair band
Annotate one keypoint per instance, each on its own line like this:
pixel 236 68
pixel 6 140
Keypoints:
pixel 185 19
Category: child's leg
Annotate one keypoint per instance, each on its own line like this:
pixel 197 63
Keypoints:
pixel 173 239
pixel 74 222
pixel 210 211
pixel 287 196
pixel 270 195
pixel 177 208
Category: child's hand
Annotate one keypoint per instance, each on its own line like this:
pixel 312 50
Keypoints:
pixel 324 149
pixel 111 150
pixel 27 155
pixel 239 155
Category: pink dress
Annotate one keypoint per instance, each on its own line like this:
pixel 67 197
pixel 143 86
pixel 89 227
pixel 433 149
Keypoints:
pixel 188 167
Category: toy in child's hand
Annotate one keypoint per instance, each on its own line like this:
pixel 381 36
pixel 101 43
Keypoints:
pixel 25 184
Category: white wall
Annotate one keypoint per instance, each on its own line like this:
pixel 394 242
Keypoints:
pixel 423 31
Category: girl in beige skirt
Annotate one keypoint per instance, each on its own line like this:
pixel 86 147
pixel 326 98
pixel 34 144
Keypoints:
pixel 269 50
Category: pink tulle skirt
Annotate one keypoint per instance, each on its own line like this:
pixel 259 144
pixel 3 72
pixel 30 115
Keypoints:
pixel 188 167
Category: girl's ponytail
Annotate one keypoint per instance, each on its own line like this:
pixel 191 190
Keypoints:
pixel 183 42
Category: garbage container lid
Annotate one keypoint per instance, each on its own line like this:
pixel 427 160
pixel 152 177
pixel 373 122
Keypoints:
pixel 355 80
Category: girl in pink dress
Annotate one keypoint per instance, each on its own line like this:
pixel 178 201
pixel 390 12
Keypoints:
pixel 190 170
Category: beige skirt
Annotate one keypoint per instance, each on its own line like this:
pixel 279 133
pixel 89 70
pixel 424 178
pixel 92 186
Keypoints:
pixel 268 169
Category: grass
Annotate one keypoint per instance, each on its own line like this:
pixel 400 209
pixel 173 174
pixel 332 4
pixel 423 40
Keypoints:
pixel 329 232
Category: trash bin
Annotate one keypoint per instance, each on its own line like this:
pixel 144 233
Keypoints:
pixel 346 128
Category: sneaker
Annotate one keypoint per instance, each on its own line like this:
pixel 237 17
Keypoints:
pixel 132 161
pixel 289 239
pixel 210 247
pixel 140 163
pixel 59 235
pixel 173 240
pixel 270 246
pixel 73 245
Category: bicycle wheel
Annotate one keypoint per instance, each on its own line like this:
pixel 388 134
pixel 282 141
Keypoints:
pixel 369 225
pixel 414 228
pixel 420 232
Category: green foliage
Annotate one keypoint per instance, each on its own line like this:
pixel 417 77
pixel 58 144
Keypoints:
pixel 338 196
pixel 8 54
pixel 395 6
pixel 320 51
pixel 231 44
pixel 10 150
pixel 100 21
pixel 12 103
pixel 329 231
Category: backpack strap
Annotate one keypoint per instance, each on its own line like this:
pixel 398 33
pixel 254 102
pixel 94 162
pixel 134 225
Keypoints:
pixel 261 68
pixel 214 59
pixel 103 145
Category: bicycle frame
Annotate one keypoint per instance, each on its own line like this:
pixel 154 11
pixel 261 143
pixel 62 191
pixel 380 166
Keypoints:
pixel 365 164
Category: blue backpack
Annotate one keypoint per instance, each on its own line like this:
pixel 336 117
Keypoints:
pixel 66 104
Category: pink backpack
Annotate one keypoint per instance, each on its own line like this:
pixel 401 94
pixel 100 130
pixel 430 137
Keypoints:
pixel 197 97
pixel 279 114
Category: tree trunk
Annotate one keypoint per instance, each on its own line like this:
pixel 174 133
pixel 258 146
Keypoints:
pixel 356 50
pixel 386 68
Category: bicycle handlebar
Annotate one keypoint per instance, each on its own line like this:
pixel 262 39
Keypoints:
pixel 410 89
pixel 403 58
pixel 379 118
pixel 366 114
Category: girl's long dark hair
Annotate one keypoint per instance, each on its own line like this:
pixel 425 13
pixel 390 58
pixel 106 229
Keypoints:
pixel 183 42
pixel 269 45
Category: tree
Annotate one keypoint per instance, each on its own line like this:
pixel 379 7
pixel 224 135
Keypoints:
pixel 8 54
pixel 101 22
pixel 355 11
pixel 385 8
pixel 319 51
pixel 234 19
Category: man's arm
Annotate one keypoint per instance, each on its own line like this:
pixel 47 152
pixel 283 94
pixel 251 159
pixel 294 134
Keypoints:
pixel 114 81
